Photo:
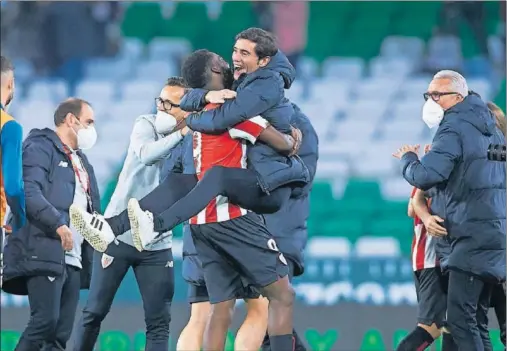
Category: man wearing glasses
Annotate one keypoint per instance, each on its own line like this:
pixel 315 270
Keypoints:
pixel 474 193
pixel 153 268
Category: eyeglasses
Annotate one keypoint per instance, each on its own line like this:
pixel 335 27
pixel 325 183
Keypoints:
pixel 166 104
pixel 435 95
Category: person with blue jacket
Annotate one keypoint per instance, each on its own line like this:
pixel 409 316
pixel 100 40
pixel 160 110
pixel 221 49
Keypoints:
pixel 11 168
pixel 474 195
pixel 47 259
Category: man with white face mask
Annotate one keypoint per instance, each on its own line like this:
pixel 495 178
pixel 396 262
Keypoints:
pixel 153 268
pixel 473 191
pixel 47 259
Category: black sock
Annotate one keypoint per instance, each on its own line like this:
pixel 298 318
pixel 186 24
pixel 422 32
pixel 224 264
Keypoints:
pixel 282 342
pixel 448 343
pixel 418 340
pixel 298 344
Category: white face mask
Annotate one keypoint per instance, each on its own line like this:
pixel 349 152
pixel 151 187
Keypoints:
pixel 432 113
pixel 86 137
pixel 164 122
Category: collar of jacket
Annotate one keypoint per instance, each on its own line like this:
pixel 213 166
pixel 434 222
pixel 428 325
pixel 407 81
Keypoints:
pixel 51 135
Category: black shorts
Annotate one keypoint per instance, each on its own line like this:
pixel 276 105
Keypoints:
pixel 191 270
pixel 431 289
pixel 199 293
pixel 237 253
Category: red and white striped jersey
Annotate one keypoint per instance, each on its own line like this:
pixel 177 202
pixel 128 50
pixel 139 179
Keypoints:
pixel 226 150
pixel 423 245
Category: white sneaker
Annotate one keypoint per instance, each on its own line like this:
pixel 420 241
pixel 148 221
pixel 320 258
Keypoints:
pixel 93 228
pixel 141 225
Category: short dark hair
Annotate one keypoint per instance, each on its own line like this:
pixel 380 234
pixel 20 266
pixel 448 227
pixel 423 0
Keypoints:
pixel 265 41
pixel 175 82
pixel 71 105
pixel 5 65
pixel 195 69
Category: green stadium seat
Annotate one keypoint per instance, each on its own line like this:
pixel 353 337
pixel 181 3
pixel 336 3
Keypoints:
pixel 322 192
pixel 362 189
pixel 146 29
pixel 390 209
pixel 398 227
pixel 327 19
pixel 348 228
pixel 416 18
pixel 358 208
pixel 394 226
pixel 234 17
pixel 179 25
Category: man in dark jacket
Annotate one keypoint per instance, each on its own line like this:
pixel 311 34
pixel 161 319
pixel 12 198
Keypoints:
pixel 264 74
pixel 45 259
pixel 474 195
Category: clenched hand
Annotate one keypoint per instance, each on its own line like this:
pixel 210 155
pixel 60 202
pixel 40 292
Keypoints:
pixel 66 235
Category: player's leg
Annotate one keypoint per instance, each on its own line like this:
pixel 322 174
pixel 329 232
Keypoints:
pixel 431 310
pixel 154 271
pixel 223 284
pixel 498 302
pixel 239 185
pixel 253 329
pixel 192 335
pixel 68 307
pixel 100 231
pixel 108 272
pixel 482 315
pixel 248 245
pixel 298 343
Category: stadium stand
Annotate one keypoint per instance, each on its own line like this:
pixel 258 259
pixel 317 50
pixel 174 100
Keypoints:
pixel 363 94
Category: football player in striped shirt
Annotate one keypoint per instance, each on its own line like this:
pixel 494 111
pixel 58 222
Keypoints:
pixel 430 283
pixel 225 232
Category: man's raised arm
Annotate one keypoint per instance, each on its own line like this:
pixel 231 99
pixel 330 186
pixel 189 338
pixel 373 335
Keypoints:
pixel 436 166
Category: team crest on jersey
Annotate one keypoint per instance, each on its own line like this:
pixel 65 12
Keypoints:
pixel 106 260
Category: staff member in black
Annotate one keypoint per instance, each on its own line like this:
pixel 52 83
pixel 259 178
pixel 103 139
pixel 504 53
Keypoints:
pixel 46 259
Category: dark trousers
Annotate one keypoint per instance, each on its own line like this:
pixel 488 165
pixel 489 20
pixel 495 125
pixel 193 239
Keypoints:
pixel 468 302
pixel 498 303
pixel 155 277
pixel 53 302
pixel 180 197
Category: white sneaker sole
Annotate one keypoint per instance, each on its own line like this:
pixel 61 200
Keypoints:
pixel 94 237
pixel 135 228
